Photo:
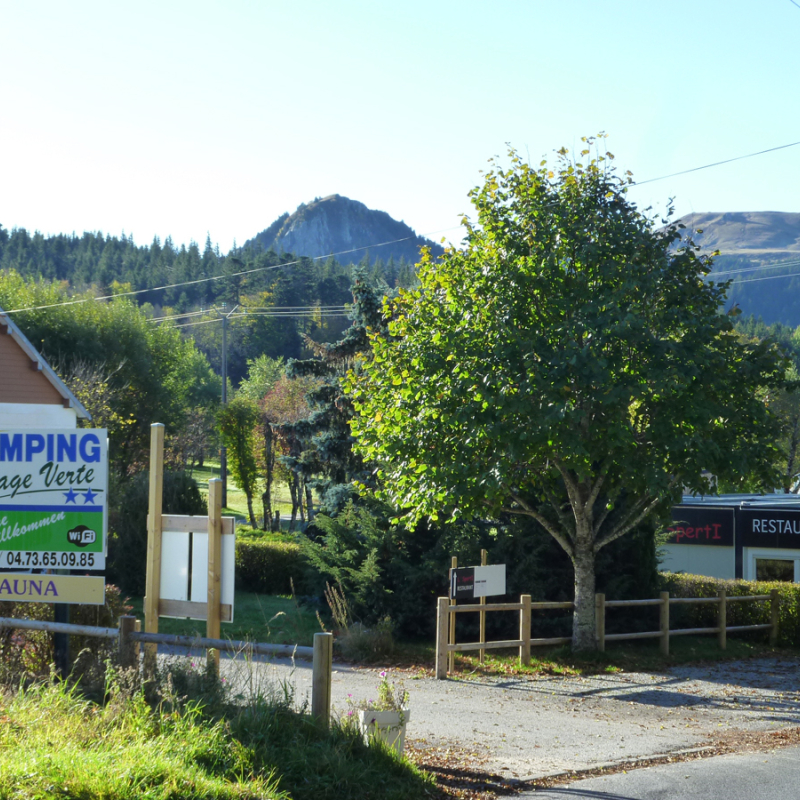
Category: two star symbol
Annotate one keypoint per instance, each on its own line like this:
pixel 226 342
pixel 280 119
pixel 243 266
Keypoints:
pixel 88 496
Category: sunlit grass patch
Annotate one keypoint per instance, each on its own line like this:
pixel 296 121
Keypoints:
pixel 257 618
pixel 55 744
pixel 642 656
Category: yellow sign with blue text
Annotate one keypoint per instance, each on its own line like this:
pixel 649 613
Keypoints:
pixel 26 588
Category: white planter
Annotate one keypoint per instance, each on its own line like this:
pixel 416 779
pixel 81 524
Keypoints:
pixel 388 726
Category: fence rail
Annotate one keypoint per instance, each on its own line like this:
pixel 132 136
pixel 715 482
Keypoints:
pixel 128 640
pixel 446 645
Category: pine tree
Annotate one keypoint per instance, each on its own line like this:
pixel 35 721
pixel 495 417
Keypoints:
pixel 327 461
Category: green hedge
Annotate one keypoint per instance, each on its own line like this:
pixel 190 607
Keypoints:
pixel 744 613
pixel 268 563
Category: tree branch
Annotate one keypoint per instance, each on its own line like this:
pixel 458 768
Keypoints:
pixel 557 507
pixel 527 510
pixel 569 483
pixel 599 523
pixel 598 484
pixel 639 511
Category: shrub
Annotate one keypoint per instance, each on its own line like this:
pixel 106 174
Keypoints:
pixel 386 570
pixel 745 613
pixel 268 563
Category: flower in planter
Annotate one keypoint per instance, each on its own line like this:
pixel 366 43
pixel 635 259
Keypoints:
pixel 386 717
pixel 392 696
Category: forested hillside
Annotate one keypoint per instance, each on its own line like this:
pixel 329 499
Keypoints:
pixel 760 253
pixel 280 298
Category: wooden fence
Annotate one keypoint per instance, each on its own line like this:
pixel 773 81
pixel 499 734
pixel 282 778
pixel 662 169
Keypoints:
pixel 446 646
pixel 129 638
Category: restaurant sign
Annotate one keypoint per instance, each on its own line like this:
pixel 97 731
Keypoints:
pixel 471 583
pixel 775 528
pixel 53 499
pixel 693 525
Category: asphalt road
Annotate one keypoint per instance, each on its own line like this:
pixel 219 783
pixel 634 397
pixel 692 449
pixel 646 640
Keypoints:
pixel 749 776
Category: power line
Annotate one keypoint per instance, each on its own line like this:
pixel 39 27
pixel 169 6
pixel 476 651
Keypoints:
pixel 778 265
pixel 284 310
pixel 199 322
pixel 767 278
pixel 358 249
pixel 218 277
pixel 716 163
pixel 300 315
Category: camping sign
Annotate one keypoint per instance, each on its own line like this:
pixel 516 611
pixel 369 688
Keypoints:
pixel 53 499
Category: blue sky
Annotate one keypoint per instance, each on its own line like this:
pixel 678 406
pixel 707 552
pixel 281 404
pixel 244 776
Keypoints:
pixel 186 118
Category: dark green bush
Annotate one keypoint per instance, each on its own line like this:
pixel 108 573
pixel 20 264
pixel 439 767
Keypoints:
pixel 743 613
pixel 127 545
pixel 268 563
pixel 386 570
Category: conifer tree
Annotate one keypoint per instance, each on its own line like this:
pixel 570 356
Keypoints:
pixel 327 452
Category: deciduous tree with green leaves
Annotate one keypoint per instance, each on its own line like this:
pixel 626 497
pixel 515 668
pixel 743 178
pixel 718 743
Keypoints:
pixel 570 363
pixel 237 422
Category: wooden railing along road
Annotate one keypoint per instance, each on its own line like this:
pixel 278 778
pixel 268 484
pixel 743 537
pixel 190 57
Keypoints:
pixel 445 613
pixel 129 638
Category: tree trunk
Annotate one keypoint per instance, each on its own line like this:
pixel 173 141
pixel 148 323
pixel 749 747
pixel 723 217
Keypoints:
pixel 301 486
pixel 269 470
pixel 250 510
pixel 583 620
pixel 293 488
pixel 266 508
pixel 793 445
pixel 309 502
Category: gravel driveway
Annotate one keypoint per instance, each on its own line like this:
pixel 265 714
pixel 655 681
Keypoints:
pixel 532 727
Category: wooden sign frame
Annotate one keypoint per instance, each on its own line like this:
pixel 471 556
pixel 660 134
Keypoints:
pixel 213 611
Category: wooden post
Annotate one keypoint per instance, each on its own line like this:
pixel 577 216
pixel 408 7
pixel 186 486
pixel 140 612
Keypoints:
pixel 128 650
pixel 153 575
pixel 214 566
pixel 774 617
pixel 525 630
pixel 664 623
pixel 321 678
pixel 61 657
pixel 600 621
pixel 441 637
pixel 722 632
pixel 482 601
pixel 451 657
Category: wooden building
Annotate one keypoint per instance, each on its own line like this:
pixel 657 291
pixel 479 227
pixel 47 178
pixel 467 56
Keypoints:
pixel 31 394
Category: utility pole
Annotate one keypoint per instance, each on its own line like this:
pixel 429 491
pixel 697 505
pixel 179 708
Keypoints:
pixel 223 453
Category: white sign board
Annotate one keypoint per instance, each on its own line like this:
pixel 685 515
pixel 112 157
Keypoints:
pixel 184 562
pixel 469 583
pixel 490 581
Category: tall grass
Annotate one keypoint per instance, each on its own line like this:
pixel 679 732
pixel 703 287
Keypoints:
pixel 56 743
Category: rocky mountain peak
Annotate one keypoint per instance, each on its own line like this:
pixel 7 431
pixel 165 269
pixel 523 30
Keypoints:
pixel 343 227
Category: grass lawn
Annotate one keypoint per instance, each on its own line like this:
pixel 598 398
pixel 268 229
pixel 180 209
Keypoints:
pixel 640 656
pixel 237 502
pixel 256 617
